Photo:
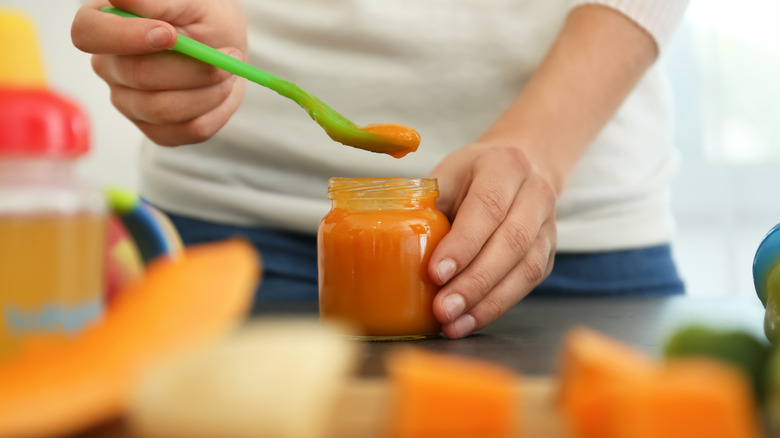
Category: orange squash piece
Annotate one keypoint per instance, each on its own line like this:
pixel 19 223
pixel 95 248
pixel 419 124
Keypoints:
pixel 441 395
pixel 594 372
pixel 61 388
pixel 691 398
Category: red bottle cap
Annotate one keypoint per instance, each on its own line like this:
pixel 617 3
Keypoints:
pixel 34 121
pixel 39 123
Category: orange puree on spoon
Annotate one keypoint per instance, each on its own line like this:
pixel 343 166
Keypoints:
pixel 405 138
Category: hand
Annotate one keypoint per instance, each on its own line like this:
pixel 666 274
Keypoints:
pixel 501 191
pixel 172 98
pixel 503 235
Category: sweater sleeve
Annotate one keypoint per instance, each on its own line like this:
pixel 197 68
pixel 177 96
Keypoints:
pixel 659 18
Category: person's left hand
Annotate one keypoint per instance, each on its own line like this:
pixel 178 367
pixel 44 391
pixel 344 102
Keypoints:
pixel 503 235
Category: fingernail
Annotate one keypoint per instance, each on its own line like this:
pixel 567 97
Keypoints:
pixel 159 37
pixel 453 305
pixel 445 270
pixel 464 325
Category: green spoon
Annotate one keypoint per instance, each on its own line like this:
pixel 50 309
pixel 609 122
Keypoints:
pixel 389 138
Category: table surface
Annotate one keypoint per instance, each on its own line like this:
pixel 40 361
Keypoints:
pixel 527 338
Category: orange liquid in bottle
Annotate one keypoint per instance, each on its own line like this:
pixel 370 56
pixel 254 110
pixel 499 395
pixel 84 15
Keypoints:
pixel 374 248
pixel 51 224
pixel 50 276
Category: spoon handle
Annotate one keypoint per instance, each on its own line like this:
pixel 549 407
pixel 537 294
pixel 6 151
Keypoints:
pixel 209 55
pixel 397 141
pixel 212 56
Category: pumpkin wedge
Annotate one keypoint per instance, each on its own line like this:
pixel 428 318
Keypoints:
pixel 690 398
pixel 60 388
pixel 595 371
pixel 443 395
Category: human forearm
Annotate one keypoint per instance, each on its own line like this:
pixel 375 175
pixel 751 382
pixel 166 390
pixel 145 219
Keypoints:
pixel 596 60
pixel 501 191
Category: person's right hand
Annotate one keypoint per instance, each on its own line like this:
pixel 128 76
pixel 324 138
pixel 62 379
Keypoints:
pixel 172 98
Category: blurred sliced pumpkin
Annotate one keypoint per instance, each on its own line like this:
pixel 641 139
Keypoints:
pixel 608 389
pixel 61 388
pixel 444 395
pixel 690 398
pixel 594 371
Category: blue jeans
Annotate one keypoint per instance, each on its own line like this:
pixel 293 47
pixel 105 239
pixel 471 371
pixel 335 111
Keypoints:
pixel 290 265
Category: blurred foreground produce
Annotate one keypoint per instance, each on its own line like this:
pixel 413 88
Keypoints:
pixel 610 390
pixel 743 350
pixel 595 371
pixel 690 398
pixel 772 403
pixel 61 388
pixel 272 378
pixel 440 395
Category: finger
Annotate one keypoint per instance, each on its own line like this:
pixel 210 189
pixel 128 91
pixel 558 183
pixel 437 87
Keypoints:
pixel 484 208
pixel 94 31
pixel 198 129
pixel 535 266
pixel 159 71
pixel 171 11
pixel 170 107
pixel 215 23
pixel 508 245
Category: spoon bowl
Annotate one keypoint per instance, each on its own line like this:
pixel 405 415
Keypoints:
pixel 388 138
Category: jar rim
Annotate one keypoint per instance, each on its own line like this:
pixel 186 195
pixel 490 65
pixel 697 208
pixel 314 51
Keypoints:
pixel 383 188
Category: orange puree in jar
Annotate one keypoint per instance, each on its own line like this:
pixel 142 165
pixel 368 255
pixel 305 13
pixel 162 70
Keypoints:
pixel 373 252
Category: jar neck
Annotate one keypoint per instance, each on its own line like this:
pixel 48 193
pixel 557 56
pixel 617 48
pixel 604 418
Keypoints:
pixel 384 204
pixel 383 193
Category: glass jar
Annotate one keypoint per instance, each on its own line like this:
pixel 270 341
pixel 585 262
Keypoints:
pixel 52 226
pixel 51 251
pixel 373 252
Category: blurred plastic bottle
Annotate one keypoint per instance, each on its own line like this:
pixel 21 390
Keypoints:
pixel 52 227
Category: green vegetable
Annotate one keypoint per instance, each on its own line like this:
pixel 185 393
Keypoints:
pixel 772 405
pixel 772 304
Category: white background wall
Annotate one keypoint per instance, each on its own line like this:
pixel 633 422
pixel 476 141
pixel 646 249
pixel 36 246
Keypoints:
pixel 723 209
pixel 724 64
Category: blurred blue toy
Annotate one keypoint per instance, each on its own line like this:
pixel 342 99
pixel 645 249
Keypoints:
pixel 766 278
pixel 151 230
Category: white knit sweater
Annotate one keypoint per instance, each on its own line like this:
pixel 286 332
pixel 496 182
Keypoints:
pixel 448 68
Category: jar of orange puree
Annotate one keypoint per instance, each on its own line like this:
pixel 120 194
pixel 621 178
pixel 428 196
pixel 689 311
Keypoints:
pixel 373 251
